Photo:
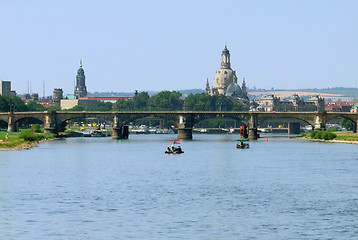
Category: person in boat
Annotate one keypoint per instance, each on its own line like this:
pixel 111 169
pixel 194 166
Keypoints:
pixel 178 149
pixel 169 150
pixel 173 148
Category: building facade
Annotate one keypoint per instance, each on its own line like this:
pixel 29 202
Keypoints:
pixel 272 103
pixel 57 96
pixel 80 89
pixel 5 88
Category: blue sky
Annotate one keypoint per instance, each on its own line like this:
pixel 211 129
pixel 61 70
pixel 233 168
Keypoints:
pixel 172 45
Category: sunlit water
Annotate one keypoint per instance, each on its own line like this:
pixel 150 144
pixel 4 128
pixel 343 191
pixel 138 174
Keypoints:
pixel 97 188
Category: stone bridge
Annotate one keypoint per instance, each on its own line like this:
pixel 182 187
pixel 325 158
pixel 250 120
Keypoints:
pixel 183 120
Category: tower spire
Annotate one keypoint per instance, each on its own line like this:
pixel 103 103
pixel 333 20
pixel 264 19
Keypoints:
pixel 80 62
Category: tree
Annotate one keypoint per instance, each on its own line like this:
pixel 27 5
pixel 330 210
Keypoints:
pixel 167 100
pixel 15 103
pixel 347 124
pixel 34 106
pixel 77 108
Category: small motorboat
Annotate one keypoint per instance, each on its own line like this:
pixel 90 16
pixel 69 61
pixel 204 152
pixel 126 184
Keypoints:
pixel 173 149
pixel 241 143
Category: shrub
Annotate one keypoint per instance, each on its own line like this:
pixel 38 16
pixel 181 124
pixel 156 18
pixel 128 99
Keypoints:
pixel 313 134
pixel 29 136
pixel 36 128
pixel 324 134
pixel 319 135
pixel 328 135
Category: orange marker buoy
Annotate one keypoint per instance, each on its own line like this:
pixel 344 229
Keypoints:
pixel 266 139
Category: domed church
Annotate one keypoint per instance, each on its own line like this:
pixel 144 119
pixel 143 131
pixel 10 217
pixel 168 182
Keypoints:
pixel 225 81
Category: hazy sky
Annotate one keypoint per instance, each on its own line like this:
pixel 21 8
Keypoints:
pixel 172 45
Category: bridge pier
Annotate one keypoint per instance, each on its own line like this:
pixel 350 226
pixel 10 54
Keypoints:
pixel 185 127
pixel 12 125
pixel 294 128
pixel 320 122
pixel 253 127
pixel 50 125
pixel 118 131
pixel 185 133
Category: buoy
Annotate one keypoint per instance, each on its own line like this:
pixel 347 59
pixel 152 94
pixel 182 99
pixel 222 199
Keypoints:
pixel 266 139
pixel 227 133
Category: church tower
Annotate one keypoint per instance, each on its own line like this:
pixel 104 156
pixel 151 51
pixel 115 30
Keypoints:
pixel 80 90
pixel 207 88
pixel 225 58
pixel 244 92
pixel 225 75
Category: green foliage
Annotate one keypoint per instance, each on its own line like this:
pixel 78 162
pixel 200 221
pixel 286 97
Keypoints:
pixel 34 106
pixel 203 102
pixel 36 128
pixel 15 103
pixel 53 108
pixel 77 108
pixel 347 124
pixel 324 134
pixel 103 106
pixel 29 136
pixel 165 100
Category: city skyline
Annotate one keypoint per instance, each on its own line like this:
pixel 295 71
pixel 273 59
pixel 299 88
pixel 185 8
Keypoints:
pixel 127 45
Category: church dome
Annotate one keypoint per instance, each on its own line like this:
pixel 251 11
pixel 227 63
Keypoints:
pixel 223 78
pixel 233 90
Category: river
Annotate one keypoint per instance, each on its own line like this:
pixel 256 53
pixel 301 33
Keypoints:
pixel 98 188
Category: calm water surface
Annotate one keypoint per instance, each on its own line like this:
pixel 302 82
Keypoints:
pixel 97 188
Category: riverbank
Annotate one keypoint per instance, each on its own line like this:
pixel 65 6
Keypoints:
pixel 13 141
pixel 342 137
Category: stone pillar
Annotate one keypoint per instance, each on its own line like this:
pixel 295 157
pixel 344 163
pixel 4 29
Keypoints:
pixel 119 131
pixel 253 127
pixel 294 128
pixel 161 124
pixel 116 130
pixel 125 132
pixel 50 125
pixel 320 122
pixel 185 127
pixel 12 126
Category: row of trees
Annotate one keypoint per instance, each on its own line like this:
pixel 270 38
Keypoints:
pixel 173 101
pixel 162 101
pixel 8 104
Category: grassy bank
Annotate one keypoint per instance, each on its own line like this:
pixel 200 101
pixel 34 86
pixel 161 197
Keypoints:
pixel 336 136
pixel 22 139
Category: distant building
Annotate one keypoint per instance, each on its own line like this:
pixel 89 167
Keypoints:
pixel 89 102
pixel 70 103
pixel 80 90
pixel 338 106
pixel 57 96
pixel 271 102
pixel 35 97
pixel 5 88
pixel 225 81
